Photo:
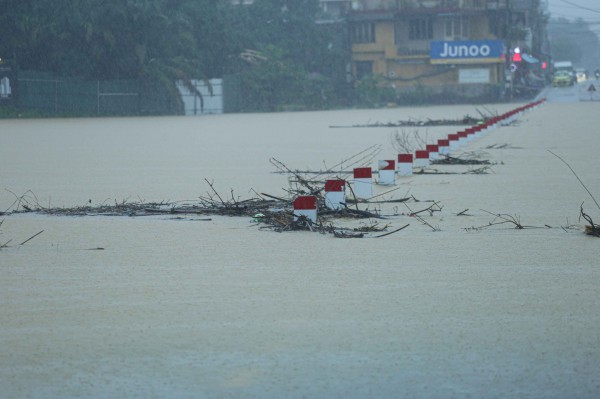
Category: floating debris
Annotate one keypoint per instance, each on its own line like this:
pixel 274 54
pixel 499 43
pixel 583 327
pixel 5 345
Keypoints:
pixel 448 160
pixel 467 120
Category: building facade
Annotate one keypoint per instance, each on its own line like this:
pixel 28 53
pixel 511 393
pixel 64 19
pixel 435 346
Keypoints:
pixel 461 47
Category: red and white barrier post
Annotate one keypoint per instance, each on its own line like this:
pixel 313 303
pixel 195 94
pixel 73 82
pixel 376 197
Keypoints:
pixel 453 139
pixel 363 182
pixel 387 172
pixel 405 164
pixel 444 146
pixel 306 205
pixel 483 129
pixel 335 195
pixel 478 131
pixel 462 137
pixel 493 123
pixel 421 159
pixel 471 133
pixel 433 151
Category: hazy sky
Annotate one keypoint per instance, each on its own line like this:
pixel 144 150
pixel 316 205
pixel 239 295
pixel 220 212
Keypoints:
pixel 589 10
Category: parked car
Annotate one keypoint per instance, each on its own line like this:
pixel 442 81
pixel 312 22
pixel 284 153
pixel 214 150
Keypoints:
pixel 562 78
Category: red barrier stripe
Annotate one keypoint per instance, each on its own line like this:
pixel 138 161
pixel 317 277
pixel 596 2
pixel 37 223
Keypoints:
pixel 305 202
pixel 363 173
pixel 334 185
pixel 421 154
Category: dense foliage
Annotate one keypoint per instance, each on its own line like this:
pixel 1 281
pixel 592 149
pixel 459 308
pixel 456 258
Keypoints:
pixel 574 41
pixel 280 55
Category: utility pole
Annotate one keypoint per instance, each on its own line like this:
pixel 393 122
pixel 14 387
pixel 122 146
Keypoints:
pixel 508 50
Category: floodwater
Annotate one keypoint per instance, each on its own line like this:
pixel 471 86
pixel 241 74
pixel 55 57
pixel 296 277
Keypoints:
pixel 185 308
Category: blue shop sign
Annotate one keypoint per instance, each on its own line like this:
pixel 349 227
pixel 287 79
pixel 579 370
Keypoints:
pixel 466 51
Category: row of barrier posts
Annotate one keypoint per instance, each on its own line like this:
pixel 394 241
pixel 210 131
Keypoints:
pixel 335 195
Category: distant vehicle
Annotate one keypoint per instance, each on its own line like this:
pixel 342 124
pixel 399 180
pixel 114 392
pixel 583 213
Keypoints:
pixel 562 79
pixel 566 66
pixel 581 74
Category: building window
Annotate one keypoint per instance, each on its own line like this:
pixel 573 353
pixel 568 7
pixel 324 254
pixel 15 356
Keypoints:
pixel 456 28
pixel 363 32
pixel 450 3
pixel 497 27
pixel 363 68
pixel 399 32
pixel 420 29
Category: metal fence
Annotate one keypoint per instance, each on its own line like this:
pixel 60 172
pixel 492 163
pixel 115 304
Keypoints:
pixel 39 91
pixel 52 95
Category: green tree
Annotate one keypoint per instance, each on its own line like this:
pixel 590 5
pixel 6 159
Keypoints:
pixel 160 42
pixel 371 93
pixel 154 41
pixel 574 41
pixel 310 55
pixel 269 81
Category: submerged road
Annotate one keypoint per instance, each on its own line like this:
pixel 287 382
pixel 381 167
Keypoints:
pixel 588 90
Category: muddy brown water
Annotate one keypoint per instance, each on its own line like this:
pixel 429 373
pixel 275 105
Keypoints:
pixel 219 309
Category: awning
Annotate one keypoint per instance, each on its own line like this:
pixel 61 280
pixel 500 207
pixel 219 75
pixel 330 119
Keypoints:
pixel 530 59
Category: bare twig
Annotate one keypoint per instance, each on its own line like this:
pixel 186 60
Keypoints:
pixel 503 218
pixel 364 157
pixel 215 191
pixel 373 227
pixel 27 201
pixel 274 197
pixel 430 209
pixel 571 169
pixel 384 193
pixel 32 237
pixel 591 229
pixel 392 232
pixel 299 179
pixel 405 142
pixel 353 195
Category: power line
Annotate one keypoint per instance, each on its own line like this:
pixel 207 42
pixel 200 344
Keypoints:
pixel 580 7
pixel 562 14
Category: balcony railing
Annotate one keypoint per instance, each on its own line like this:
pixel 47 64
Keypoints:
pixel 371 5
pixel 412 50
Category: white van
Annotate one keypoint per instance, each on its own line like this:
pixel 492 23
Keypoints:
pixel 581 74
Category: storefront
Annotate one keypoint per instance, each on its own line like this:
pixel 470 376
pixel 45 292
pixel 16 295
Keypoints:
pixel 477 61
